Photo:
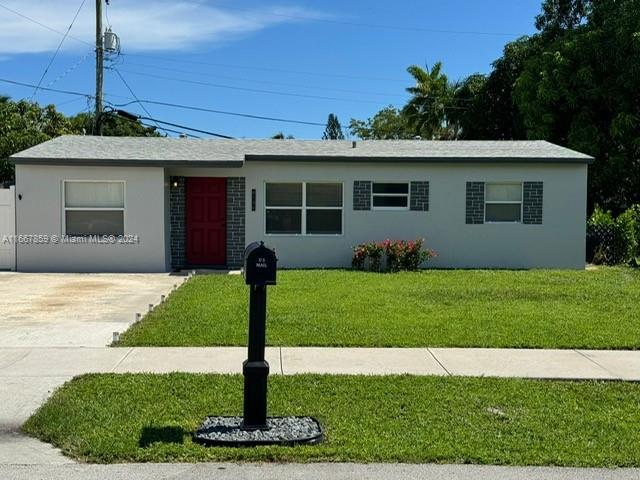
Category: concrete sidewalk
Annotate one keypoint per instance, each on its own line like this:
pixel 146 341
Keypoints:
pixel 523 363
pixel 29 375
pixel 312 471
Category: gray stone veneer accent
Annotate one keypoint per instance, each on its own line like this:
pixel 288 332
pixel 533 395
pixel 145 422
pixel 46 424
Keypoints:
pixel 235 221
pixel 419 196
pixel 177 205
pixel 362 195
pixel 475 203
pixel 532 203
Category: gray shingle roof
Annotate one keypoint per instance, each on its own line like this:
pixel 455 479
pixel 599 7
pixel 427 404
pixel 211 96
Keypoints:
pixel 88 150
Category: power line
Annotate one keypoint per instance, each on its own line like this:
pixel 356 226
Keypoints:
pixel 164 129
pixel 167 104
pixel 404 96
pixel 69 70
pixel 261 81
pixel 47 89
pixel 56 90
pixel 252 90
pixel 131 91
pixel 15 12
pixel 177 125
pixel 265 69
pixel 55 54
pixel 221 112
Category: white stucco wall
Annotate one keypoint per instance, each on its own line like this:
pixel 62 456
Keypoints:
pixel 558 243
pixel 40 212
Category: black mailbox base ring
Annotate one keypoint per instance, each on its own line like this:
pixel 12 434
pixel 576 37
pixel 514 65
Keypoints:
pixel 227 431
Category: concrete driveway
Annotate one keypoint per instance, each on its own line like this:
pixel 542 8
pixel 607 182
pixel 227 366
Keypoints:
pixel 74 310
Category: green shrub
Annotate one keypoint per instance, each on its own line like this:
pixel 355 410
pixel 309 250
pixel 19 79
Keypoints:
pixel 617 239
pixel 625 239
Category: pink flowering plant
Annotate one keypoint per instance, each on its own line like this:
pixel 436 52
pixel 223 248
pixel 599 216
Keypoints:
pixel 398 255
pixel 368 256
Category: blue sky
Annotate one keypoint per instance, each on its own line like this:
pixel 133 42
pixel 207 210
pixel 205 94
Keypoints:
pixel 300 49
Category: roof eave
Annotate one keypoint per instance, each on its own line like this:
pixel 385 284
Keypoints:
pixel 374 159
pixel 81 162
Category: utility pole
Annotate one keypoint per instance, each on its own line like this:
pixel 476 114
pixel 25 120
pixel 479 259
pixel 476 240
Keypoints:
pixel 99 68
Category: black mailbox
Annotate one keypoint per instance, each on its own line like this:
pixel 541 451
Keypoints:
pixel 259 264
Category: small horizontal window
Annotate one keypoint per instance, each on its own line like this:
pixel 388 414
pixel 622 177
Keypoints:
pixel 391 188
pixel 393 202
pixel 503 202
pixel 390 195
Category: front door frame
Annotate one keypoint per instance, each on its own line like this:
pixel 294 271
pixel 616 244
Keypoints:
pixel 220 182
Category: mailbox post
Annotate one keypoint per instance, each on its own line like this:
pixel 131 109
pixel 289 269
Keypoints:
pixel 254 427
pixel 259 271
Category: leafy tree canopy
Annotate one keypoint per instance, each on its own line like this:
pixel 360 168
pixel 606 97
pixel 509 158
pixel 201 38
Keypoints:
pixel 388 124
pixel 25 124
pixel 112 126
pixel 581 89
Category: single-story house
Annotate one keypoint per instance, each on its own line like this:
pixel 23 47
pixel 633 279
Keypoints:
pixel 171 203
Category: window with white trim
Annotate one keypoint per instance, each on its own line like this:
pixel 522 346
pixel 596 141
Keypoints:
pixel 503 202
pixel 93 208
pixel 303 208
pixel 390 196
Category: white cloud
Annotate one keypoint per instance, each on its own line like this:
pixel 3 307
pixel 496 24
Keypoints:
pixel 142 25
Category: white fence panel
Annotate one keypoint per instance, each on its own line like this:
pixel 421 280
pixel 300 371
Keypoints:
pixel 7 228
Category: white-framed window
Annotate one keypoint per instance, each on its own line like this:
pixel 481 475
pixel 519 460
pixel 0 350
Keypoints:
pixel 390 196
pixel 93 207
pixel 503 202
pixel 303 208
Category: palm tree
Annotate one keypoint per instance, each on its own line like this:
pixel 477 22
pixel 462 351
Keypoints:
pixel 431 97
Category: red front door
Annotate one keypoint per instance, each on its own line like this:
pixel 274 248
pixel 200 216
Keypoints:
pixel 206 221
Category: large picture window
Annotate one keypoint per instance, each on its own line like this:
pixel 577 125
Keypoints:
pixel 503 202
pixel 93 208
pixel 390 196
pixel 303 208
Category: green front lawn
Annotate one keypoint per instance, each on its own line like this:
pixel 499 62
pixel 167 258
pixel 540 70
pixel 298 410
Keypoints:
pixel 149 418
pixel 538 309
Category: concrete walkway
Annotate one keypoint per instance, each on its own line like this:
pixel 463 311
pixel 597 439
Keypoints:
pixel 313 471
pixel 525 363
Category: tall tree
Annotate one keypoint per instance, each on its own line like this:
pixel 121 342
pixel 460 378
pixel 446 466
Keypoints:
pixel 431 96
pixel 581 90
pixel 468 117
pixel 333 131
